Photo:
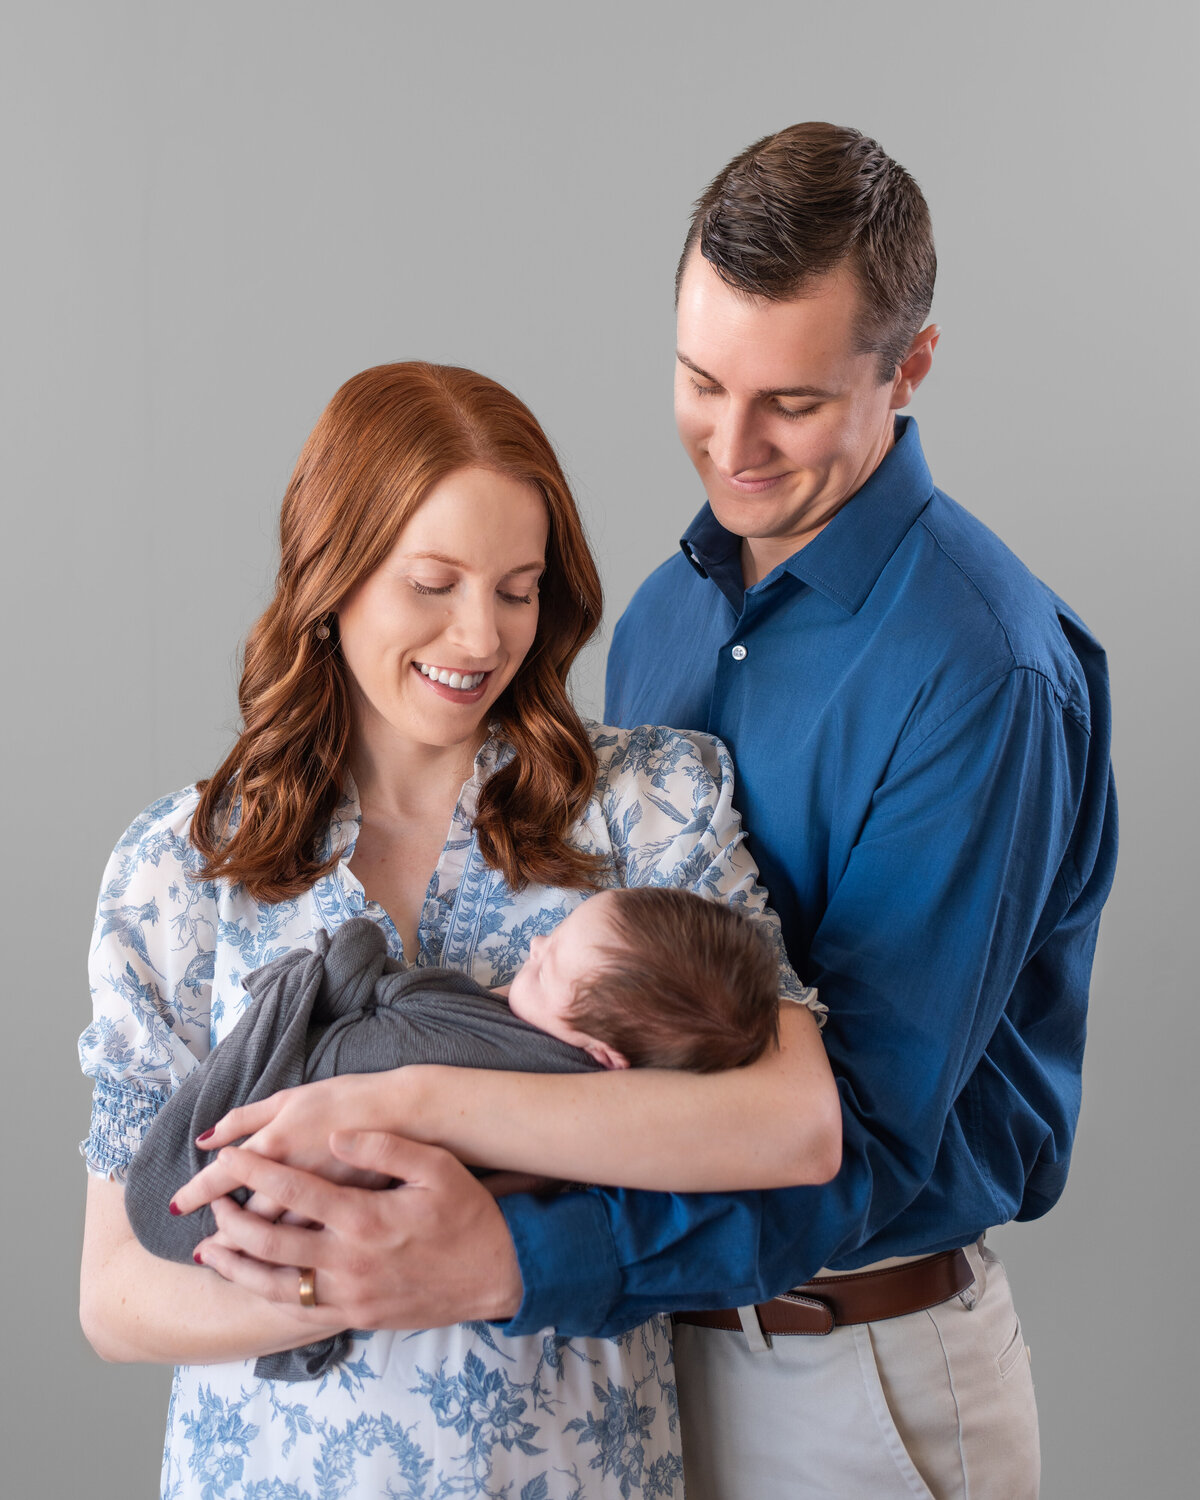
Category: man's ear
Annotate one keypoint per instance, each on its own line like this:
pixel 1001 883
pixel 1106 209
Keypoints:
pixel 606 1056
pixel 915 366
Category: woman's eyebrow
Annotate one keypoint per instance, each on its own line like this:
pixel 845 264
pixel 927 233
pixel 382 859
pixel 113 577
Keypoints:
pixel 442 557
pixel 457 562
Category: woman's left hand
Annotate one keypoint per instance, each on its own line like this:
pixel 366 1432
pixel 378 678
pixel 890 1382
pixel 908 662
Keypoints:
pixel 432 1250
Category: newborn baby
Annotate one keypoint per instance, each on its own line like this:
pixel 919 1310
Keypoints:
pixel 646 977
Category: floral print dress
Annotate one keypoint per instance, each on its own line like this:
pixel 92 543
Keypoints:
pixel 442 1412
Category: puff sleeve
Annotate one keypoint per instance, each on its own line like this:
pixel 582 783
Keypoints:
pixel 151 970
pixel 667 800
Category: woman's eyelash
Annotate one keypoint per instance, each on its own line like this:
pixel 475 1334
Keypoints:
pixel 704 390
pixel 425 588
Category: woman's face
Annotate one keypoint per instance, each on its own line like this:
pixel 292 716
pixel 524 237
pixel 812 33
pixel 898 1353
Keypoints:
pixel 437 632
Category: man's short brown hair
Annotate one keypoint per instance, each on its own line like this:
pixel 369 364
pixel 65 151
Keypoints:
pixel 691 984
pixel 797 205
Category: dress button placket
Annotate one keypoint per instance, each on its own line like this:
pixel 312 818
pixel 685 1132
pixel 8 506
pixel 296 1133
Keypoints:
pixel 739 653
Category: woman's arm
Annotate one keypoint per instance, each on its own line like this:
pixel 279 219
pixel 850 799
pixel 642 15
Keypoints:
pixel 134 1306
pixel 776 1123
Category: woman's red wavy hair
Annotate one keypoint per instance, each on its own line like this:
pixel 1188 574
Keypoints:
pixel 387 437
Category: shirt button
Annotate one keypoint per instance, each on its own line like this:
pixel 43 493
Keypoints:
pixel 739 653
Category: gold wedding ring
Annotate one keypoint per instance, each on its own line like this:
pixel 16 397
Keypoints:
pixel 308 1287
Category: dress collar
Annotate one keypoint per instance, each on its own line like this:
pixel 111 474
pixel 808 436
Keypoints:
pixel 845 559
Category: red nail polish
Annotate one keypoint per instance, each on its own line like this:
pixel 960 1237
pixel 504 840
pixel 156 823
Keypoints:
pixel 206 1134
pixel 174 1208
pixel 197 1259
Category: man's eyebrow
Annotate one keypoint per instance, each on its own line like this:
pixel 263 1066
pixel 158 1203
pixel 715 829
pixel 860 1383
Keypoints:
pixel 813 391
pixel 456 562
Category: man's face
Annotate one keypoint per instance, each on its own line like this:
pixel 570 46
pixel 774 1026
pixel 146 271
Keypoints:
pixel 782 416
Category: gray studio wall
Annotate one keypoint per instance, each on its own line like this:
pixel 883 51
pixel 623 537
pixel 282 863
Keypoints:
pixel 215 213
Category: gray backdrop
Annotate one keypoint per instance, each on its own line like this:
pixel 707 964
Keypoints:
pixel 215 213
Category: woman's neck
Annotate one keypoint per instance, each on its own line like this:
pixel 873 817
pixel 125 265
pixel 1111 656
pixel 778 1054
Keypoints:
pixel 407 796
pixel 399 779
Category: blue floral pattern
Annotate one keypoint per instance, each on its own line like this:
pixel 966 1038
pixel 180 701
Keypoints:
pixel 444 1412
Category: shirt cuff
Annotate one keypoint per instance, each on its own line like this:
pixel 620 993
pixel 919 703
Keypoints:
pixel 121 1115
pixel 568 1262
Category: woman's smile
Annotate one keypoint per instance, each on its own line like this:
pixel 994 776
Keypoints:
pixel 437 632
pixel 459 687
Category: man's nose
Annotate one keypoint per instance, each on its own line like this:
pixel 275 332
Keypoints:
pixel 735 443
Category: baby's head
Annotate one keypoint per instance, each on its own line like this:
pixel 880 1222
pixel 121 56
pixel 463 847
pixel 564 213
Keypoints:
pixel 653 977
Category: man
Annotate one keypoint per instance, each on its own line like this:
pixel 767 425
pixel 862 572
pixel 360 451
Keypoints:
pixel 921 735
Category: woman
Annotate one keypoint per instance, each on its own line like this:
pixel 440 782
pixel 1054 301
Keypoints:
pixel 408 678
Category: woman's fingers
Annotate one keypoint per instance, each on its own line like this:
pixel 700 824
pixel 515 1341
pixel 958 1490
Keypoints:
pixel 273 1283
pixel 393 1157
pixel 209 1184
pixel 272 1242
pixel 259 1204
pixel 288 1188
pixel 243 1121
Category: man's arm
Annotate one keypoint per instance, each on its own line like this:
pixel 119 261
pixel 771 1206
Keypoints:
pixel 954 955
pixel 955 952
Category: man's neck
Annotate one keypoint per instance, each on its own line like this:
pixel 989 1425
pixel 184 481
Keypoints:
pixel 761 555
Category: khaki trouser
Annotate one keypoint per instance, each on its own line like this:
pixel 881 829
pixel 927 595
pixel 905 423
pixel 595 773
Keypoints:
pixel 937 1404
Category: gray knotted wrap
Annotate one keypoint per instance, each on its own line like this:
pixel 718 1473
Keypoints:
pixel 344 1008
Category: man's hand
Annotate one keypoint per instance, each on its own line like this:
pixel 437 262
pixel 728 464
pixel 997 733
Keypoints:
pixel 431 1251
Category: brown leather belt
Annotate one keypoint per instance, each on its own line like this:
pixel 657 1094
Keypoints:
pixel 858 1297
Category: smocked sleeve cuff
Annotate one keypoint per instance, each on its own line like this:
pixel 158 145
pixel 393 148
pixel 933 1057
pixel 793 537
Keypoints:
pixel 121 1115
pixel 802 994
pixel 567 1258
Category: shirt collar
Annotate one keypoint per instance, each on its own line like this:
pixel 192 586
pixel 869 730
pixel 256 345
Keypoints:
pixel 844 560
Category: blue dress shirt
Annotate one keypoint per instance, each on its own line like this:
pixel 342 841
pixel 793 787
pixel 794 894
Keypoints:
pixel 921 735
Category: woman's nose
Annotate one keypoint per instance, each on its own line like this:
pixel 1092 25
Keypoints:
pixel 475 628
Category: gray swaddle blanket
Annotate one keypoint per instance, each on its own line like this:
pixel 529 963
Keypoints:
pixel 344 1008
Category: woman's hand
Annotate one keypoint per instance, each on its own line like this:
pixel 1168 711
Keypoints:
pixel 293 1127
pixel 433 1250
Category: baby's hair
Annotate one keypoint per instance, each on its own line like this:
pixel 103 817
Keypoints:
pixel 692 985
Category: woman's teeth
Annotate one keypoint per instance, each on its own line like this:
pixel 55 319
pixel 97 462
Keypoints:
pixel 467 681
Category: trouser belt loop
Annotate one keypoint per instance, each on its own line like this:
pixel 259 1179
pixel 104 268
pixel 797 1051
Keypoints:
pixel 760 1342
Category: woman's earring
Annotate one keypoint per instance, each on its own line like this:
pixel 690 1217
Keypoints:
pixel 322 631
